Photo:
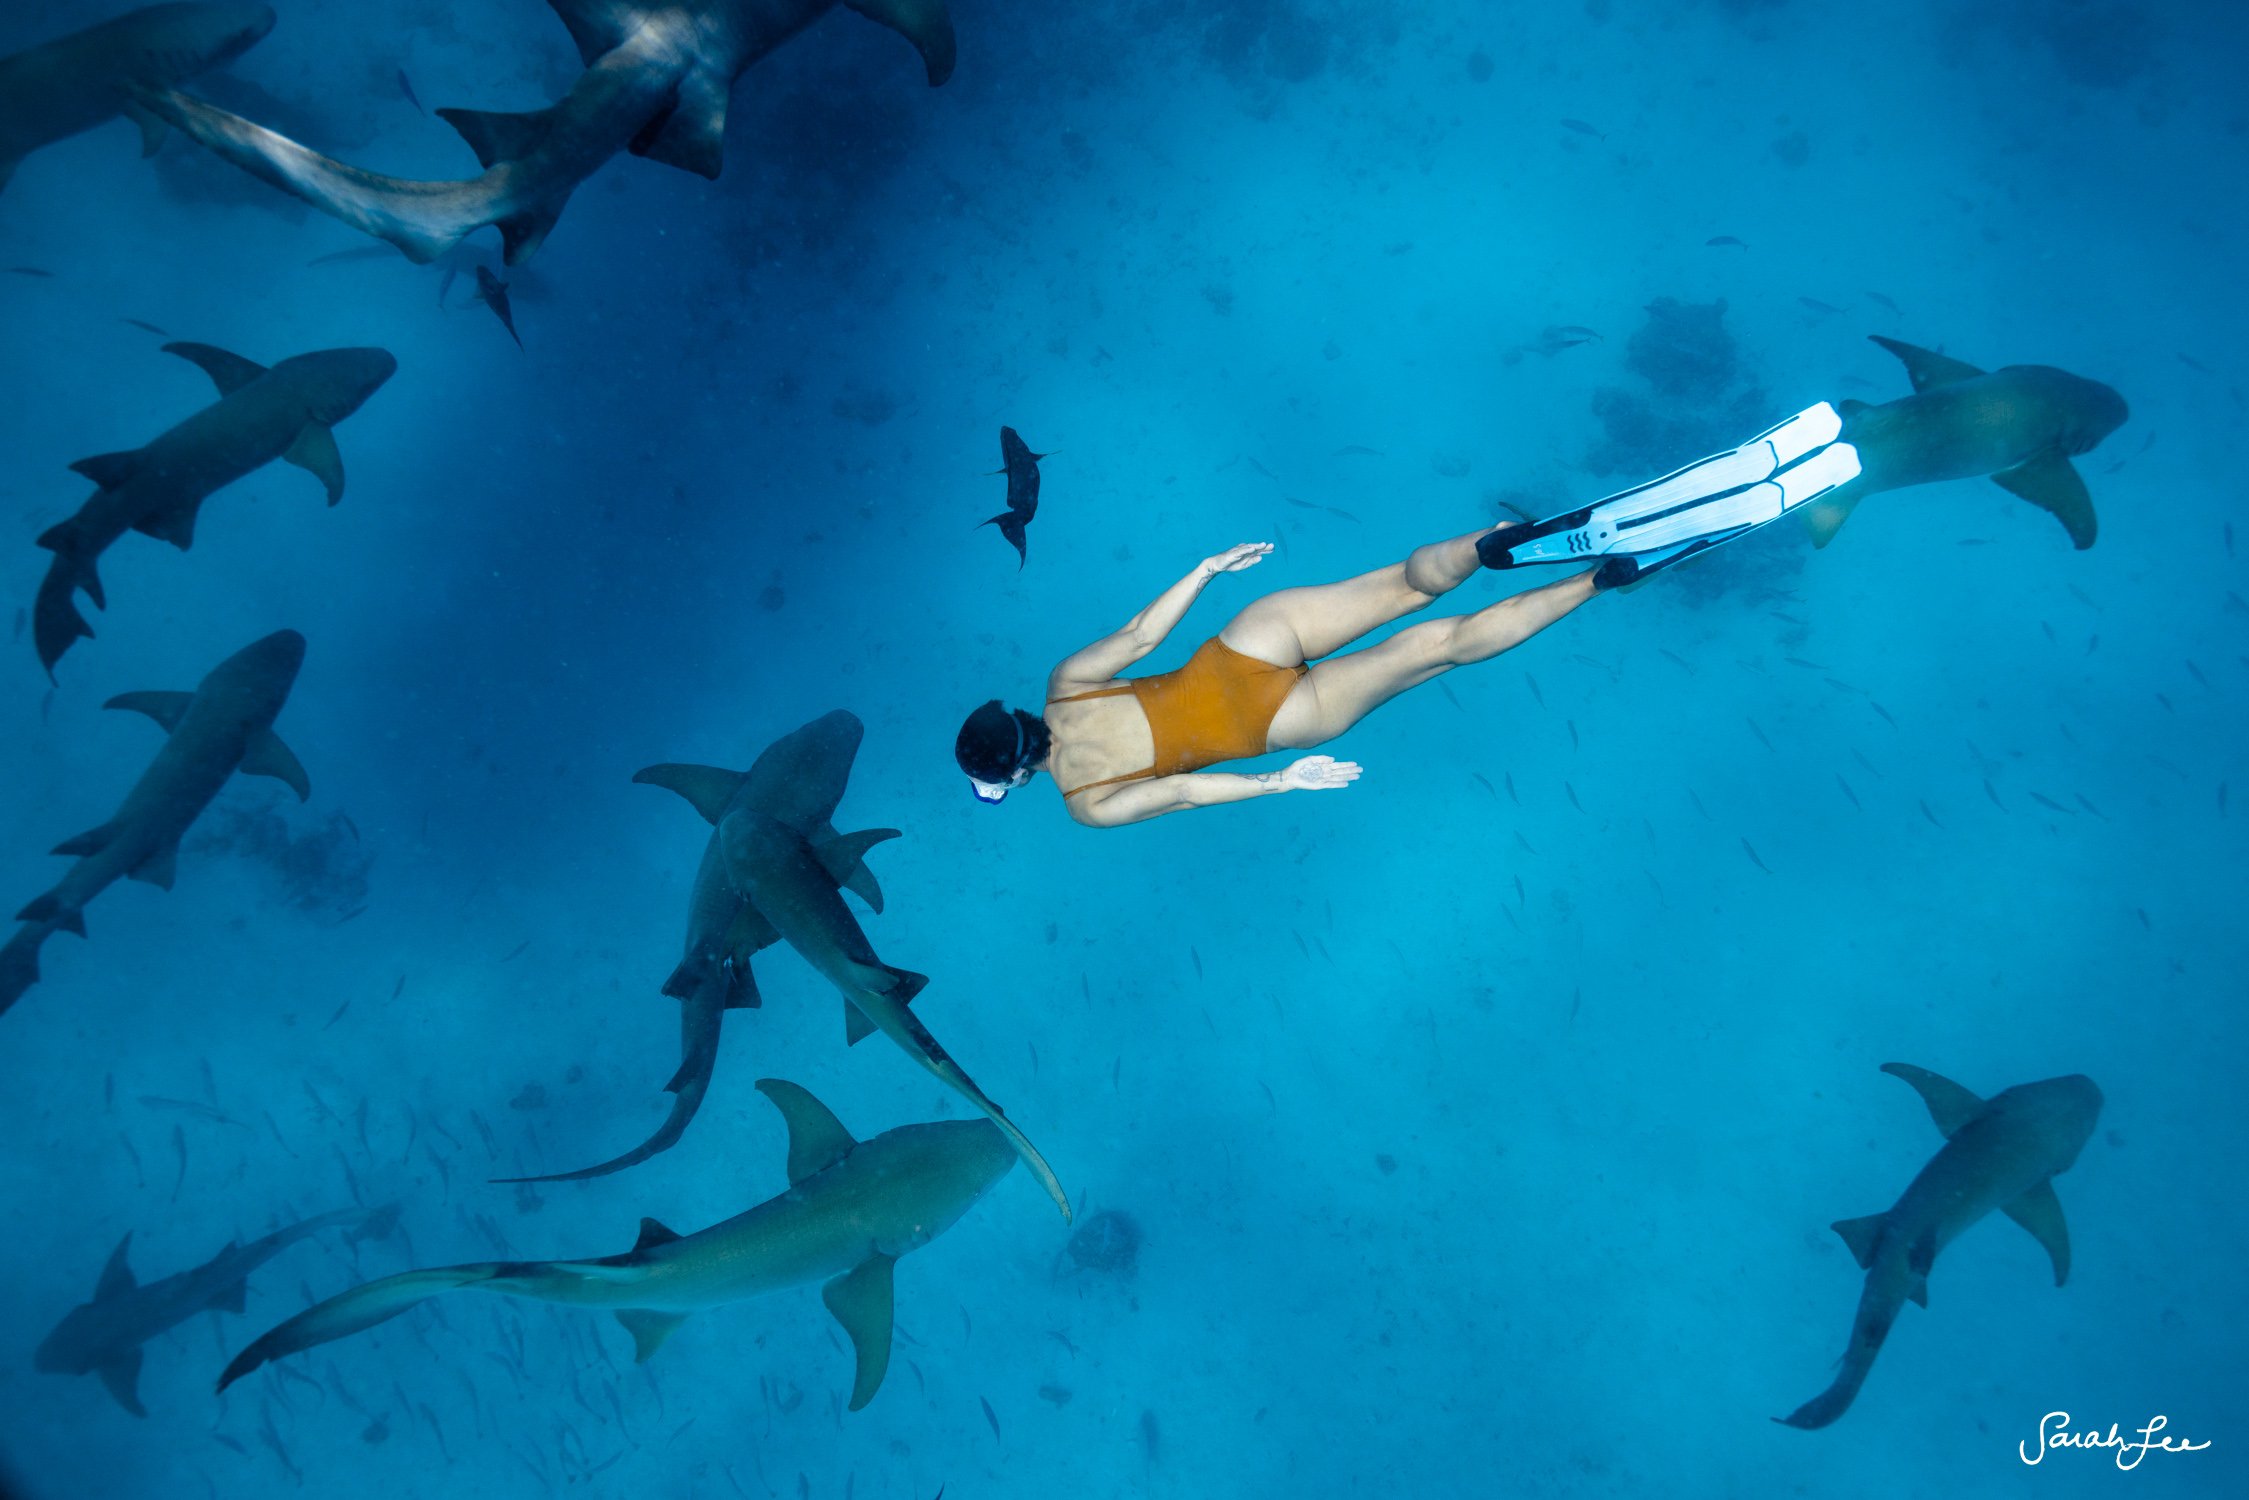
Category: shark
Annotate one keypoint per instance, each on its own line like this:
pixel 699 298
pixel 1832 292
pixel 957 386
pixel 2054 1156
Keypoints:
pixel 224 726
pixel 2000 1153
pixel 656 84
pixel 287 411
pixel 104 1337
pixel 1021 466
pixel 772 830
pixel 2020 425
pixel 724 931
pixel 851 1210
pixel 74 83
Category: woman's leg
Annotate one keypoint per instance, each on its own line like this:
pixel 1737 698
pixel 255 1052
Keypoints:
pixel 1337 694
pixel 1305 624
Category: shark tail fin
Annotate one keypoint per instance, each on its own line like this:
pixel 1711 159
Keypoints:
pixel 55 621
pixel 2053 485
pixel 497 136
pixel 350 1312
pixel 423 219
pixel 19 965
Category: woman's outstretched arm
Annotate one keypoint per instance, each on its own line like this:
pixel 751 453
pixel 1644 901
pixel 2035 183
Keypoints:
pixel 1138 801
pixel 1145 631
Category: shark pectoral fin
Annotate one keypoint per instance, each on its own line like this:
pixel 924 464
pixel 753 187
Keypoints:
pixel 152 129
pixel 229 372
pixel 654 1233
pixel 2040 1212
pixel 1823 518
pixel 597 26
pixel 176 526
pixel 497 136
pixel 817 1139
pixel 92 841
pixel 862 1301
pixel 230 1300
pixel 1862 1235
pixel 2054 486
pixel 692 136
pixel 263 754
pixel 316 453
pixel 1950 1105
pixel 707 788
pixel 160 868
pixel 1926 368
pixel 117 1274
pixel 165 708
pixel 109 470
pixel 844 858
pixel 1917 1291
pixel 925 23
pixel 649 1330
pixel 122 1376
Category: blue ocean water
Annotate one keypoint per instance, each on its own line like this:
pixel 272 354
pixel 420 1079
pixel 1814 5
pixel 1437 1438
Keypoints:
pixel 1482 1123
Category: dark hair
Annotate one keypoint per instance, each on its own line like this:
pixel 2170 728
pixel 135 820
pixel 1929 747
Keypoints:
pixel 997 741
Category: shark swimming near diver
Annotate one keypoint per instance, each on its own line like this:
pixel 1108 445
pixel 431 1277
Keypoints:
pixel 287 411
pixel 656 84
pixel 224 726
pixel 1999 1153
pixel 772 827
pixel 724 931
pixel 1021 466
pixel 104 1337
pixel 2020 425
pixel 852 1209
pixel 74 83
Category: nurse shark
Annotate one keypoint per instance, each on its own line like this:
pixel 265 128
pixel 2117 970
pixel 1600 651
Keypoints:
pixel 2000 1153
pixel 851 1210
pixel 656 84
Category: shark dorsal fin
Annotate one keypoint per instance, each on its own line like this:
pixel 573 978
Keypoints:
pixel 649 1330
pixel 842 855
pixel 498 136
pixel 165 708
pixel 817 1139
pixel 653 1233
pixel 2053 484
pixel 316 453
pixel 1950 1105
pixel 263 754
pixel 117 1274
pixel 925 23
pixel 597 26
pixel 109 470
pixel 229 372
pixel 1926 368
pixel 862 1301
pixel 1862 1236
pixel 708 788
pixel 122 1376
pixel 2040 1212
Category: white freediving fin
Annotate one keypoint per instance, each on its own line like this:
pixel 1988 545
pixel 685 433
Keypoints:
pixel 1695 508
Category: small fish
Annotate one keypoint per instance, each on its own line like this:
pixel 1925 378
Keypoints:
pixel 146 327
pixel 1676 660
pixel 2050 804
pixel 349 826
pixel 407 88
pixel 1577 998
pixel 339 1015
pixel 1536 696
pixel 179 1144
pixel 31 271
pixel 1509 778
pixel 1270 1102
pixel 2086 803
pixel 990 1415
pixel 2196 673
pixel 2051 638
pixel 1993 793
pixel 1571 725
pixel 1881 301
pixel 1696 798
pixel 1253 463
pixel 1579 127
pixel 1824 309
pixel 1841 686
pixel 1151 1442
pixel 1753 729
pixel 1337 510
pixel 2221 798
pixel 1527 849
pixel 1885 713
pixel 1750 850
pixel 493 293
pixel 2229 538
pixel 1573 796
pixel 1034 1056
pixel 1299 504
pixel 1063 1339
pixel 1846 786
pixel 1198 958
pixel 2081 596
pixel 1932 817
pixel 1798 661
pixel 1485 782
pixel 2141 913
pixel 1725 240
pixel 516 952
pixel 190 1106
pixel 1520 896
pixel 1354 450
pixel 2194 364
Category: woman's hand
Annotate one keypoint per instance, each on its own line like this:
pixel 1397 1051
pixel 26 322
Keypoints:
pixel 1235 559
pixel 1319 773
